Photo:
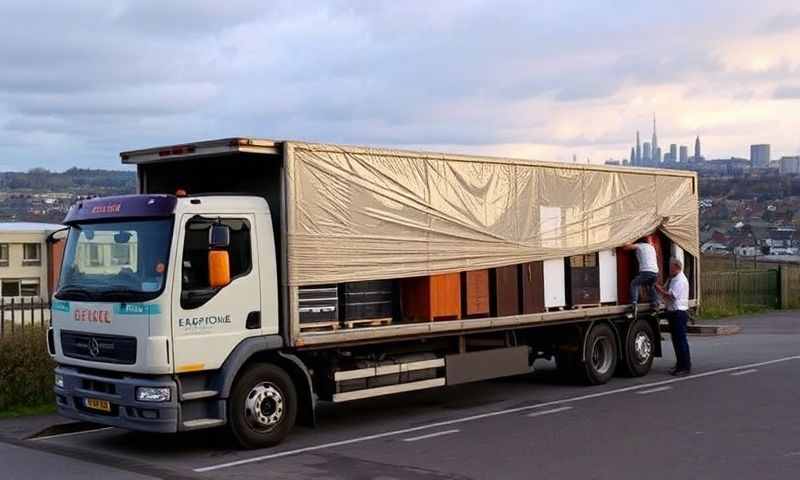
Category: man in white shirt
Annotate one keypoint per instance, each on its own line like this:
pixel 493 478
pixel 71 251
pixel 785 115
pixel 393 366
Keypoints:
pixel 676 294
pixel 648 273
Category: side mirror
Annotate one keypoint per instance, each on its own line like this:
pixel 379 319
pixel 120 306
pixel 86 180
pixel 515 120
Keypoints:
pixel 219 268
pixel 219 236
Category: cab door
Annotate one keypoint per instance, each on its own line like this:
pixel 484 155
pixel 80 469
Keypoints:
pixel 209 321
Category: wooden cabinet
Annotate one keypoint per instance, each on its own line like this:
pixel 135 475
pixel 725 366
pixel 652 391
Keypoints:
pixel 554 288
pixel 583 280
pixel 531 281
pixel 607 260
pixel 505 291
pixel 475 293
pixel 436 297
pixel 626 270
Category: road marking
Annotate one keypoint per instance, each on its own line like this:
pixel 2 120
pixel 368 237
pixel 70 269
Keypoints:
pixel 70 434
pixel 548 412
pixel 744 372
pixel 654 390
pixel 431 435
pixel 480 416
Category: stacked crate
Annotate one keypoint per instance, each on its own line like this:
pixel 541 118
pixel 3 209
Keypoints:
pixel 318 307
pixel 367 303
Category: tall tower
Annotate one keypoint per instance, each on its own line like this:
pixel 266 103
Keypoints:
pixel 697 149
pixel 654 143
pixel 633 157
pixel 638 150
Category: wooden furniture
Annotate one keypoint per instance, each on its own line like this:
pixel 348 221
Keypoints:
pixel 627 268
pixel 505 291
pixel 531 281
pixel 554 288
pixel 607 260
pixel 475 294
pixel 367 301
pixel 583 280
pixel 435 297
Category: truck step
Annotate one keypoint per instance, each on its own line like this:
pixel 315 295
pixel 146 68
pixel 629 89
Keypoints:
pixel 203 423
pixel 199 394
pixel 389 389
pixel 368 322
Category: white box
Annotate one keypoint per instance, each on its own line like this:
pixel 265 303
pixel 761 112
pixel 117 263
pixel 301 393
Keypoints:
pixel 555 294
pixel 608 276
pixel 677 252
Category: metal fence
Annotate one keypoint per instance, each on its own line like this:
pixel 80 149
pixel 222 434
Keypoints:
pixel 19 314
pixel 740 290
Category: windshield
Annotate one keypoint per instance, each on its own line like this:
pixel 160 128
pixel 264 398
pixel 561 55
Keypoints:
pixel 116 261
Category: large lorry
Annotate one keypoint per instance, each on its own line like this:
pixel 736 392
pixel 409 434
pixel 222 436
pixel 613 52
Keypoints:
pixel 248 280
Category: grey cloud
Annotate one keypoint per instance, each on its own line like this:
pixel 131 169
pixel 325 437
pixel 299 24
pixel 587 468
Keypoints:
pixel 785 22
pixel 787 92
pixel 103 76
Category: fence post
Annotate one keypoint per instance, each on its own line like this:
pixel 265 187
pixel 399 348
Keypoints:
pixel 738 291
pixel 783 286
pixel 13 320
pixel 2 316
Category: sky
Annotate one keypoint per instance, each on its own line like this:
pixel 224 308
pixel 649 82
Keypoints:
pixel 81 81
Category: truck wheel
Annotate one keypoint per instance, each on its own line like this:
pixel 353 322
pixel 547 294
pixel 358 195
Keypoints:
pixel 600 359
pixel 639 347
pixel 262 407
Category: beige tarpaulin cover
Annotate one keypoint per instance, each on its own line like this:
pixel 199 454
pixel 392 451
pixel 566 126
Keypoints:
pixel 363 214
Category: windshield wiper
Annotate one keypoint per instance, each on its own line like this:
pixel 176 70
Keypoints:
pixel 65 292
pixel 122 293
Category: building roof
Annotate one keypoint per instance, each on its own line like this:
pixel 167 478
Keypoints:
pixel 29 227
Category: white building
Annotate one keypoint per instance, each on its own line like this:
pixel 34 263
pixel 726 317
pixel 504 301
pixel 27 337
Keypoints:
pixel 790 165
pixel 27 264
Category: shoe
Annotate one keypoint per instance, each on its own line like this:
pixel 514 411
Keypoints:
pixel 680 372
pixel 635 311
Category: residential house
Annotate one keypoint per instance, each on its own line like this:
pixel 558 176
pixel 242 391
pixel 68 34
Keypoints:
pixel 30 258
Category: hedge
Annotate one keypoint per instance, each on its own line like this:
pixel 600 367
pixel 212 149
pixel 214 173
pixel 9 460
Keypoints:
pixel 26 369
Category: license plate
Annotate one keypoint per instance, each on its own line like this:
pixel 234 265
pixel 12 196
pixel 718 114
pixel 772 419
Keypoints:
pixel 102 405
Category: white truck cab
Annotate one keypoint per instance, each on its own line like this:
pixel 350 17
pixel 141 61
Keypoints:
pixel 133 264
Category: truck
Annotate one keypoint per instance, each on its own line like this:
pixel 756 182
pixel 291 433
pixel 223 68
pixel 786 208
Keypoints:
pixel 248 280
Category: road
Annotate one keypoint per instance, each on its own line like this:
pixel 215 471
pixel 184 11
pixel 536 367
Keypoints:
pixel 735 417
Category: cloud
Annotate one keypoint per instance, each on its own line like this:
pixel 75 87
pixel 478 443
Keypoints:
pixel 787 92
pixel 82 81
pixel 784 22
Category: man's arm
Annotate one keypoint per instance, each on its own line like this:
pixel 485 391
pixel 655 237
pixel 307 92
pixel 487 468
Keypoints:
pixel 664 292
pixel 629 246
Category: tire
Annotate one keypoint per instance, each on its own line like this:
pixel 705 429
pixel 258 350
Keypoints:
pixel 637 354
pixel 262 407
pixel 600 357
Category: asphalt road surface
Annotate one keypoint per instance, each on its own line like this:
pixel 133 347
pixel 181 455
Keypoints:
pixel 737 416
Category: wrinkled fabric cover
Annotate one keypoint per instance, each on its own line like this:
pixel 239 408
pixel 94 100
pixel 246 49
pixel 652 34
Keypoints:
pixel 363 214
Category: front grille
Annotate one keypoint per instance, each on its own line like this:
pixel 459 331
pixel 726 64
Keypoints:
pixel 99 348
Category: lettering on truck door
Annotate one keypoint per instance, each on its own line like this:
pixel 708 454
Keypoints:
pixel 208 322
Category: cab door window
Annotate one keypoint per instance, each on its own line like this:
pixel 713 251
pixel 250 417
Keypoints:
pixel 196 289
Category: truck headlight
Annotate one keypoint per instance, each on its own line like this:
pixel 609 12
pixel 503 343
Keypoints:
pixel 59 380
pixel 152 394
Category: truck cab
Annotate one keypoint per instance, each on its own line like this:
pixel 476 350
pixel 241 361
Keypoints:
pixel 134 263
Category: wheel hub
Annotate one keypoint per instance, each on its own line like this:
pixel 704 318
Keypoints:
pixel 642 347
pixel 601 355
pixel 264 406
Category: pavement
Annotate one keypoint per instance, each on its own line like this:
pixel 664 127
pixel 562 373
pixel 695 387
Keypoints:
pixel 735 417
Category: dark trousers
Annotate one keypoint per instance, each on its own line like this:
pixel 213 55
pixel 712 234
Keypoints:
pixel 678 320
pixel 647 280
